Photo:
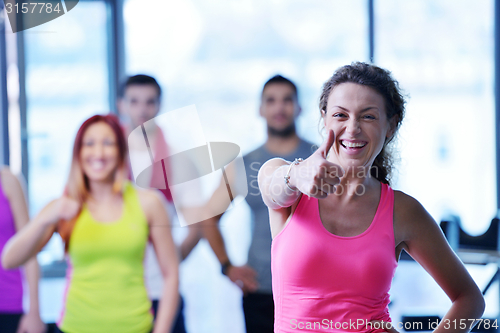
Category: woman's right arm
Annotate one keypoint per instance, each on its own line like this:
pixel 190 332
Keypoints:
pixel 32 238
pixel 315 177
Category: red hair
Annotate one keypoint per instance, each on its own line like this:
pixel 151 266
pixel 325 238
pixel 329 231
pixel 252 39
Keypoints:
pixel 77 186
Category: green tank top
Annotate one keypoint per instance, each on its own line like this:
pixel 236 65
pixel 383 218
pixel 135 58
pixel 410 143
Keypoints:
pixel 105 289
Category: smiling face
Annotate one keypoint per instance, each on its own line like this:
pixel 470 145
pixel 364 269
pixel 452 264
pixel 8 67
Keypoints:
pixel 279 107
pixel 99 154
pixel 358 117
pixel 140 103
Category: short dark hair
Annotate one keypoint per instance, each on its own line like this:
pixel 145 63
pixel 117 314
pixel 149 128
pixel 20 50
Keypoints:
pixel 281 80
pixel 140 80
pixel 382 82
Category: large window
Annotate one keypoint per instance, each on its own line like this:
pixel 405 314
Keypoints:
pixel 447 143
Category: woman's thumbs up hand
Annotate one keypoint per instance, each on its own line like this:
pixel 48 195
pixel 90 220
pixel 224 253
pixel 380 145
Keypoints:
pixel 315 176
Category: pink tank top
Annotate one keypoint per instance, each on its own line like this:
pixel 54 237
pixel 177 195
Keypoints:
pixel 11 287
pixel 328 283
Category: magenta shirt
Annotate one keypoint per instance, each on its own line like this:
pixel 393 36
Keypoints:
pixel 327 283
pixel 11 287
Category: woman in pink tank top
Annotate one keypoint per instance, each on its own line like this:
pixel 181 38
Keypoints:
pixel 338 228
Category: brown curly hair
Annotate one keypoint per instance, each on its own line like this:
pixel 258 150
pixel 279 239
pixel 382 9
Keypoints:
pixel 382 81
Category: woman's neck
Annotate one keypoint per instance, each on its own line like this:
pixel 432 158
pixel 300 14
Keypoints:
pixel 101 191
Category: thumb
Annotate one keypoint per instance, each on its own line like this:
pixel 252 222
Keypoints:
pixel 327 144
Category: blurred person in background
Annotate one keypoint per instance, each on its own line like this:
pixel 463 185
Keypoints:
pixel 280 108
pixel 138 104
pixel 105 223
pixel 13 217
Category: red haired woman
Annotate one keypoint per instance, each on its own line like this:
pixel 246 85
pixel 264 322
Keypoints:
pixel 105 223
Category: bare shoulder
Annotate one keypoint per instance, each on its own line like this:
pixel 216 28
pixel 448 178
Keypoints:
pixel 403 202
pixel 152 204
pixel 4 171
pixel 10 183
pixel 149 199
pixel 7 177
pixel 410 217
pixel 406 206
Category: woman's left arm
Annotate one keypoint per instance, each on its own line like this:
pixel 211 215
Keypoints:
pixel 31 321
pixel 425 242
pixel 168 259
